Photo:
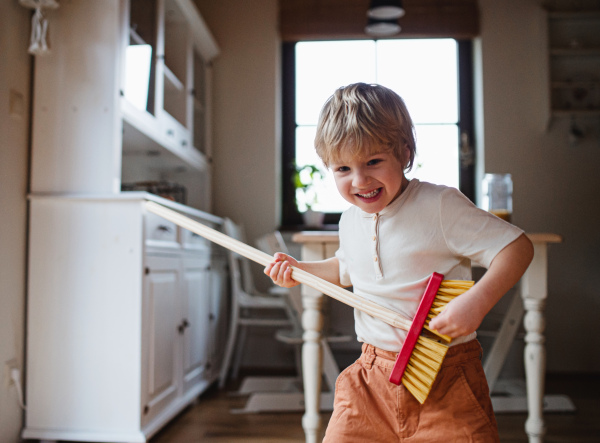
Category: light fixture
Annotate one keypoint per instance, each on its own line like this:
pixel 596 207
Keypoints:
pixel 385 9
pixel 39 25
pixel 382 28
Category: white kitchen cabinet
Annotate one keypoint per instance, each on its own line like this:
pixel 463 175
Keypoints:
pixel 167 134
pixel 106 114
pixel 123 318
pixel 160 341
pixel 196 319
pixel 125 309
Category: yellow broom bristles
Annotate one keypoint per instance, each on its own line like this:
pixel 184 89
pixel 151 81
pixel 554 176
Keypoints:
pixel 428 355
pixel 448 291
pixel 422 369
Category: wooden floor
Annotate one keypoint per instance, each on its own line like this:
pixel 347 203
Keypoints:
pixel 209 421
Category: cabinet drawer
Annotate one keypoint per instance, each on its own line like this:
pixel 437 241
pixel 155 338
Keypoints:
pixel 191 240
pixel 159 229
pixel 175 134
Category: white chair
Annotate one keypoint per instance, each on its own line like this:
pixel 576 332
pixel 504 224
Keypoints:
pixel 249 307
pixel 271 243
pixel 285 394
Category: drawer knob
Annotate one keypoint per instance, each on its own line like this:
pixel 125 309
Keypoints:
pixel 164 228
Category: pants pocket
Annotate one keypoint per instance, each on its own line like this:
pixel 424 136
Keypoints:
pixel 476 385
pixel 341 401
pixel 461 401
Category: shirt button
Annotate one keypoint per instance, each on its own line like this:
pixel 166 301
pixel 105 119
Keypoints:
pixel 375 217
pixel 374 238
pixel 375 258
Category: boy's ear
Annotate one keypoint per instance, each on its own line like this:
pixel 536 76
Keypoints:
pixel 405 155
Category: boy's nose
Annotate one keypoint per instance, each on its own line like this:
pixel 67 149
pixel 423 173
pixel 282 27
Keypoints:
pixel 360 179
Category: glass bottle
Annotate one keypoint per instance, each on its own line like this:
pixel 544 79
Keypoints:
pixel 497 195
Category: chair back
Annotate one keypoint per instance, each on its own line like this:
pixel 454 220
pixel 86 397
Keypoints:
pixel 241 272
pixel 274 242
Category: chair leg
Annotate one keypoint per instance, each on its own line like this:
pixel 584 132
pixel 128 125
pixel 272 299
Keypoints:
pixel 231 339
pixel 298 357
pixel 239 352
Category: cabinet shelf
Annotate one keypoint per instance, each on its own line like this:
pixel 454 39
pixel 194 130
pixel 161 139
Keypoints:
pixel 575 112
pixel 144 140
pixel 575 52
pixel 135 38
pixel 567 84
pixel 172 82
pixel 574 62
pixel 574 15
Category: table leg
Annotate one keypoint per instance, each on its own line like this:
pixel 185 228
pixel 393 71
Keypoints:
pixel 535 292
pixel 312 362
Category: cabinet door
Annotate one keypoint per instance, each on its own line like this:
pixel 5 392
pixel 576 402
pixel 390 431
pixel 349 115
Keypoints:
pixel 195 319
pixel 160 334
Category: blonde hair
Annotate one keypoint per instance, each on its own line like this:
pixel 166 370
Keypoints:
pixel 360 119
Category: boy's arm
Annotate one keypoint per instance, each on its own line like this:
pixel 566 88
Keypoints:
pixel 464 314
pixel 281 273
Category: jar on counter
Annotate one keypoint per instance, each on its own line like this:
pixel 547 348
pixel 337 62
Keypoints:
pixel 497 195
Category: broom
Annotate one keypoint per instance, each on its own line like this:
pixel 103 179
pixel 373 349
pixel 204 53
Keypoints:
pixel 422 357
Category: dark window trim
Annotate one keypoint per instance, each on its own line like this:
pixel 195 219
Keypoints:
pixel 466 118
pixel 291 219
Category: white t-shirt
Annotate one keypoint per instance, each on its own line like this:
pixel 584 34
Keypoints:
pixel 388 257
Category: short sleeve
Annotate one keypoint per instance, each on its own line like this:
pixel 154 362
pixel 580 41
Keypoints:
pixel 472 232
pixel 343 268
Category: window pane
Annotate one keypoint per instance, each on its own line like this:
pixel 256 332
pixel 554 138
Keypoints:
pixel 305 146
pixel 322 67
pixel 437 155
pixel 329 199
pixel 425 74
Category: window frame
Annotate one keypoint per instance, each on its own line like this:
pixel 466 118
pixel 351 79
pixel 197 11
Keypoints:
pixel 291 218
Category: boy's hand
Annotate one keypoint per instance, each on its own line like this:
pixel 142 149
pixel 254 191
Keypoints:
pixel 280 270
pixel 459 318
pixel 465 313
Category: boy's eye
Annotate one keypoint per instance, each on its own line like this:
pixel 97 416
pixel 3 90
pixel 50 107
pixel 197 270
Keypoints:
pixel 342 169
pixel 374 161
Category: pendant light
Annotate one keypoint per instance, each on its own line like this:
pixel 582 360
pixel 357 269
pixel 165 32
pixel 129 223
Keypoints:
pixel 382 28
pixel 385 9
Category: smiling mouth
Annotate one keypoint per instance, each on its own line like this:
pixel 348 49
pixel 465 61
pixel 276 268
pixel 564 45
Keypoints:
pixel 371 194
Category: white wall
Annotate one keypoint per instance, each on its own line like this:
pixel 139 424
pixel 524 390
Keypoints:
pixel 246 138
pixel 246 111
pixel 14 128
pixel 555 184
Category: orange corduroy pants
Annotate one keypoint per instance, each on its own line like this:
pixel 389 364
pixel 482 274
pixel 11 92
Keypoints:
pixel 368 408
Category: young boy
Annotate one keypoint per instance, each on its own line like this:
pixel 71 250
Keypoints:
pixel 394 236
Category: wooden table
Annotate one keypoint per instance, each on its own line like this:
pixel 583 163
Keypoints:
pixel 317 245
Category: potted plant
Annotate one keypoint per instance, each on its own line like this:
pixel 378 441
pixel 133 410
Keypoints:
pixel 306 180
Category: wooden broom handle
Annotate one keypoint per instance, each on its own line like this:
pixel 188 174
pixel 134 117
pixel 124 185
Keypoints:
pixel 390 317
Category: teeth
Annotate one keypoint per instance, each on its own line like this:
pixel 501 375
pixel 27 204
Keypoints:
pixel 370 194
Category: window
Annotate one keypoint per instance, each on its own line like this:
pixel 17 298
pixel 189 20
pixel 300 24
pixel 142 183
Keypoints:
pixel 433 76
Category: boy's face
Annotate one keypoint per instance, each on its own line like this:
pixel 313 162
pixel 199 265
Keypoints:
pixel 370 182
